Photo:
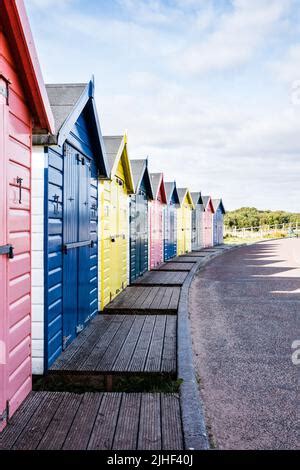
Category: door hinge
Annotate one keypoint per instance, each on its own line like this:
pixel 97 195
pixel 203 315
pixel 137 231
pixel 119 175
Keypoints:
pixel 65 341
pixel 79 328
pixel 7 250
pixel 4 417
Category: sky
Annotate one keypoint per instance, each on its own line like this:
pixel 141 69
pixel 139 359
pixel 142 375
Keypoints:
pixel 209 90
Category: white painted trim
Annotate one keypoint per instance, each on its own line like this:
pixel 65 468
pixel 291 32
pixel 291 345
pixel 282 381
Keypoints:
pixel 37 247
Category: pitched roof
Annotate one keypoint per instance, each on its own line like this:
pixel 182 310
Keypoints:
pixel 139 168
pixel 112 147
pixel 207 200
pixel 69 101
pixel 157 182
pixel 15 23
pixel 182 193
pixel 63 98
pixel 116 150
pixel 197 198
pixel 218 203
pixel 171 189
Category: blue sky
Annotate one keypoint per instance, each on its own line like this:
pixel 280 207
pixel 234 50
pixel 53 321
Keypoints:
pixel 208 89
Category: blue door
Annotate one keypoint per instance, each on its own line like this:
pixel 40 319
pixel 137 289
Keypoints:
pixel 170 244
pixel 138 235
pixel 76 244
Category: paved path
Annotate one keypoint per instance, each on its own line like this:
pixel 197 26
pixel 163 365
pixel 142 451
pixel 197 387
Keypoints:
pixel 245 310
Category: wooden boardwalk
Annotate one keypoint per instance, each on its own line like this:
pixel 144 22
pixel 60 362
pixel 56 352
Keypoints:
pixel 171 266
pixel 150 300
pixel 95 421
pixel 161 278
pixel 122 345
pixel 186 259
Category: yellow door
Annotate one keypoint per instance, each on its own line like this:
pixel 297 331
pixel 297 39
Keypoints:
pixel 104 242
pixel 114 237
pixel 114 240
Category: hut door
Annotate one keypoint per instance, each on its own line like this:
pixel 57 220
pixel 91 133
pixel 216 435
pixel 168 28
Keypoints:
pixel 77 244
pixel 172 231
pixel 84 238
pixel 3 269
pixel 194 228
pixel 115 262
pixel 142 233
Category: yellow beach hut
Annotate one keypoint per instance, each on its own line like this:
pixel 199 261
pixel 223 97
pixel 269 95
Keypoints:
pixel 114 220
pixel 184 221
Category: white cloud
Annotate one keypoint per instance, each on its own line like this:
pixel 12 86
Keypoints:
pixel 288 67
pixel 236 37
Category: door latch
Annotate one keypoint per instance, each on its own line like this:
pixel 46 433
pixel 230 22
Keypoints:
pixel 55 203
pixel 19 182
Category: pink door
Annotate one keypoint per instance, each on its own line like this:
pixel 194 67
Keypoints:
pixel 15 289
pixel 156 234
pixel 207 228
pixel 3 264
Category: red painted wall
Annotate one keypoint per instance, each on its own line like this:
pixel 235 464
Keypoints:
pixel 15 290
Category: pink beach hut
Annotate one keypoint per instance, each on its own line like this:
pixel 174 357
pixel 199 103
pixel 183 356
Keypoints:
pixel 24 108
pixel 208 221
pixel 156 233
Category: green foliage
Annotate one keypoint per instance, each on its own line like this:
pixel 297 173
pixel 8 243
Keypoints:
pixel 252 217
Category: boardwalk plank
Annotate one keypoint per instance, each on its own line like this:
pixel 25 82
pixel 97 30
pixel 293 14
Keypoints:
pixel 65 360
pixel 173 266
pixel 105 424
pixel 94 356
pixel 126 435
pixel 155 304
pixel 123 359
pixel 171 422
pixel 169 356
pixel 150 426
pixel 145 298
pixel 140 354
pixel 83 424
pixel 153 293
pixel 106 362
pixel 36 427
pixel 20 420
pixel 173 305
pixel 162 278
pixel 57 431
pixel 154 358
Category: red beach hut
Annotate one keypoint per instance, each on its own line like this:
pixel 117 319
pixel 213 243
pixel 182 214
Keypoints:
pixel 156 233
pixel 208 221
pixel 24 108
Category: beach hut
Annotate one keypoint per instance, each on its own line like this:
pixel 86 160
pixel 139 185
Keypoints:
pixel 24 108
pixel 218 221
pixel 138 221
pixel 197 221
pixel 208 221
pixel 170 221
pixel 156 214
pixel 114 216
pixel 184 221
pixel 65 222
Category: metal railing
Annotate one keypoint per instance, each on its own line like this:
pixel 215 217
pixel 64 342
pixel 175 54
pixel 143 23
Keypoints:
pixel 262 231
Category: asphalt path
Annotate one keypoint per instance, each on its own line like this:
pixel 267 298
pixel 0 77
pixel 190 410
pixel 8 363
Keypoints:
pixel 245 315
